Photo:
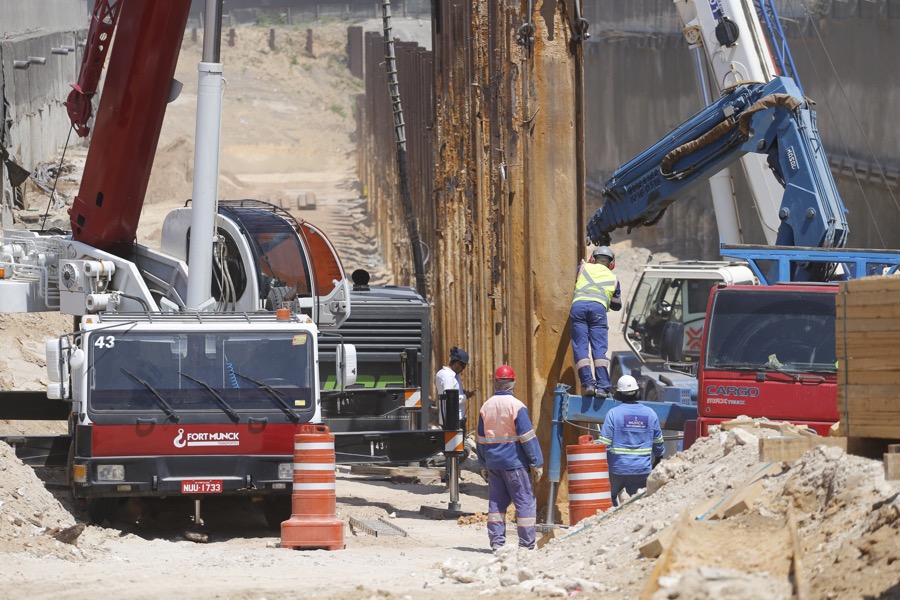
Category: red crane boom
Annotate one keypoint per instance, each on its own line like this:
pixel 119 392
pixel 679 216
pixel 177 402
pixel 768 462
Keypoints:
pixel 106 212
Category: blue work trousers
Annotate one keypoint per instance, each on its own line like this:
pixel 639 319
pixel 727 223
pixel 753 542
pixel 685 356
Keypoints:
pixel 505 486
pixel 629 483
pixel 590 331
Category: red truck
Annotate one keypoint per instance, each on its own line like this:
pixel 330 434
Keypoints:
pixel 768 351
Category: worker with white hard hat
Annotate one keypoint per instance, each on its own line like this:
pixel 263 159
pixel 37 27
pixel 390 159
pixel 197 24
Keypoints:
pixel 632 436
pixel 596 291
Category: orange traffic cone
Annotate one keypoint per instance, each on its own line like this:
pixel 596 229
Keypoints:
pixel 588 475
pixel 313 522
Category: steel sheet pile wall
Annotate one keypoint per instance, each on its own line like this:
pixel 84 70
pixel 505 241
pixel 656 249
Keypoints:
pixel 355 50
pixel 416 68
pixel 500 197
pixel 378 149
pixel 508 195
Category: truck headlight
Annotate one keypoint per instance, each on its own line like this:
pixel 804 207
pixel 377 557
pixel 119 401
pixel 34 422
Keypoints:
pixel 110 472
pixel 285 470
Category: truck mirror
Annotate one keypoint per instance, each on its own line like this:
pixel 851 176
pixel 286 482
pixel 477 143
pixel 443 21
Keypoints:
pixel 54 363
pixel 672 342
pixel 346 365
pixel 57 352
pixel 179 347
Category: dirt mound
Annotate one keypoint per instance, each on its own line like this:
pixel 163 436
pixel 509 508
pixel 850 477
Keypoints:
pixel 30 516
pixel 848 519
pixel 23 360
pixel 173 169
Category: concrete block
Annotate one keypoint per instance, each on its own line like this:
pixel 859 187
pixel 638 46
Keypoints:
pixel 892 466
pixel 790 448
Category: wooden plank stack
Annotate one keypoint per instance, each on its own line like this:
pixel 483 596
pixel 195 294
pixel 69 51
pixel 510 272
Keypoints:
pixel 867 332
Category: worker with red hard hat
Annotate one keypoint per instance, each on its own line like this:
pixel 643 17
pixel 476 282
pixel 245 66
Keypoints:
pixel 509 452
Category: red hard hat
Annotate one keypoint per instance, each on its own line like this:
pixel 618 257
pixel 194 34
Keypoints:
pixel 504 372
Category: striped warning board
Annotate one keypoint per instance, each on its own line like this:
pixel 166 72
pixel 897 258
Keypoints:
pixel 414 398
pixel 453 441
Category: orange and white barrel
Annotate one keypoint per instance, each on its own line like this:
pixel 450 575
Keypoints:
pixel 588 475
pixel 313 522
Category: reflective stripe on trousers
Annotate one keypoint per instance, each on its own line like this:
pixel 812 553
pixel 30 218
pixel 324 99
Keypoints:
pixel 505 486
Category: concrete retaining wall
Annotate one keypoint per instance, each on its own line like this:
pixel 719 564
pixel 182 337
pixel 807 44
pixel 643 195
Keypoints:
pixel 33 121
pixel 35 95
pixel 298 12
pixel 36 16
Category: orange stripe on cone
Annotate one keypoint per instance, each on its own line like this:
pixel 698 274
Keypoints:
pixel 313 522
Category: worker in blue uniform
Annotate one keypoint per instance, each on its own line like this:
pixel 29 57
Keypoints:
pixel 633 437
pixel 596 291
pixel 511 459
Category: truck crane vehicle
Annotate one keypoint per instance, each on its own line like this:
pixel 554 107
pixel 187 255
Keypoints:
pixel 759 350
pixel 190 367
pixel 742 41
pixel 734 41
pixel 669 301
pixel 770 118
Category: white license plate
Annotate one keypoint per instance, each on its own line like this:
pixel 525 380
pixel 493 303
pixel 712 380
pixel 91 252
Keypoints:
pixel 201 486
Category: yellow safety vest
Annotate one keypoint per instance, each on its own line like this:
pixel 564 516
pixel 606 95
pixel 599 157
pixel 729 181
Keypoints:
pixel 595 283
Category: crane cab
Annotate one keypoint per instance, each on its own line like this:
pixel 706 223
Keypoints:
pixel 266 259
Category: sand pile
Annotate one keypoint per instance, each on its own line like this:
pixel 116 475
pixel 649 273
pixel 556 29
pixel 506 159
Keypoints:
pixel 30 516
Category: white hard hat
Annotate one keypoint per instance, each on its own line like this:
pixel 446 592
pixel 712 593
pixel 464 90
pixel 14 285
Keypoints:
pixel 627 383
pixel 604 251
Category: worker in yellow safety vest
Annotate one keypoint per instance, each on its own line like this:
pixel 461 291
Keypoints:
pixel 596 291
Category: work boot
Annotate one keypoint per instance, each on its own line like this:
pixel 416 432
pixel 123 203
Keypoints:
pixel 603 393
pixel 589 391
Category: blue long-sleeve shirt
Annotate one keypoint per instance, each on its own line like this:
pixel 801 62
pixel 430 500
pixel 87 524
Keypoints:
pixel 632 435
pixel 506 438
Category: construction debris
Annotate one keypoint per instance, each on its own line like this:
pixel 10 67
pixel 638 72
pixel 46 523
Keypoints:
pixel 846 518
pixel 68 535
pixel 791 448
pixel 31 520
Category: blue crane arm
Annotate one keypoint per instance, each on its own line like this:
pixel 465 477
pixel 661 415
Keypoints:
pixel 772 119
